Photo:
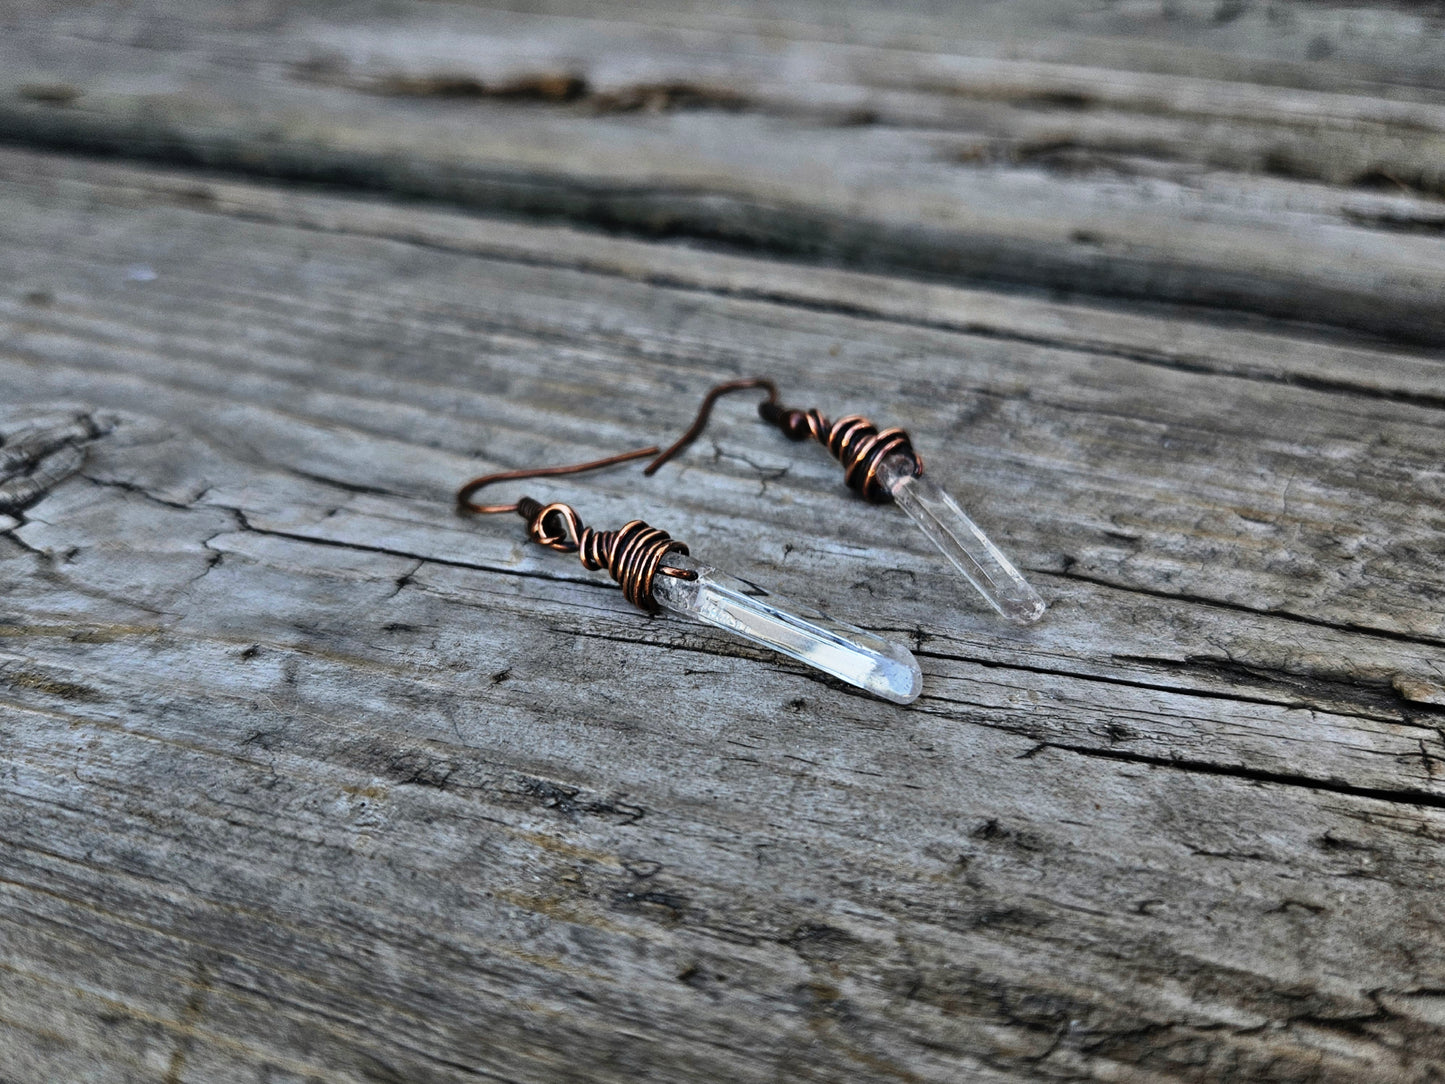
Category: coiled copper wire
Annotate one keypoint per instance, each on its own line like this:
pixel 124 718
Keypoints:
pixel 853 440
pixel 632 554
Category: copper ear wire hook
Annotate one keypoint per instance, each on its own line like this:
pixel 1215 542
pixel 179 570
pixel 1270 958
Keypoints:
pixel 705 411
pixel 468 491
pixel 632 555
pixel 853 440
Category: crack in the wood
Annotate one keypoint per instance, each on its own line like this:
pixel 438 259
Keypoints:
pixel 1397 796
pixel 402 583
pixel 212 562
pixel 570 802
pixel 1397 221
pixel 1098 582
pixel 1079 346
pixel 1069 574
pixel 1315 688
pixel 1179 690
pixel 340 483
pixel 1238 607
pixel 139 490
pixel 13 533
pixel 244 524
pixel 39 457
pixel 48 569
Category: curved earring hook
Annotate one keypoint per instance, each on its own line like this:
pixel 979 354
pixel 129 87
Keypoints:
pixel 468 491
pixel 700 422
pixel 464 495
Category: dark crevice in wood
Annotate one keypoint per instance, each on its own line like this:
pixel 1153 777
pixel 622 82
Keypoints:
pixel 1311 692
pixel 1380 693
pixel 341 483
pixel 245 525
pixel 547 87
pixel 1402 796
pixel 1186 764
pixel 1396 222
pixel 1436 402
pixel 139 490
pixel 1284 615
pixel 741 224
pixel 560 87
pixel 13 534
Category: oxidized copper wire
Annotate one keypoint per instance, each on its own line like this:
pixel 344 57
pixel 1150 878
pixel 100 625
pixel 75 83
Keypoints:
pixel 632 555
pixel 705 411
pixel 853 440
pixel 465 494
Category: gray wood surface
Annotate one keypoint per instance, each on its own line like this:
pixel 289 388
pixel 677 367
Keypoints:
pixel 1280 158
pixel 305 778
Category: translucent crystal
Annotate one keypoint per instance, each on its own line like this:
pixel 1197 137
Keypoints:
pixel 849 654
pixel 947 527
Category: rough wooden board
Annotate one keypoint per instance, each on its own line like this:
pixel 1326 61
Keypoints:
pixel 307 779
pixel 1184 167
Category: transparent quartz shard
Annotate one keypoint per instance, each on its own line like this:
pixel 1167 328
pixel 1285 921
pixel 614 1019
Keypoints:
pixel 947 527
pixel 849 654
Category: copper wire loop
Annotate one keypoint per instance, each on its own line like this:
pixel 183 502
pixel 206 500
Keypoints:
pixel 465 503
pixel 632 554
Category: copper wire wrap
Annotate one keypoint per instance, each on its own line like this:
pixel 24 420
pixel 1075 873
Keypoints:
pixel 853 440
pixel 632 554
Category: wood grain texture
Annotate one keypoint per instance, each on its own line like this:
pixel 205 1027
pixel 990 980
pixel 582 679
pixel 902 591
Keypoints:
pixel 305 778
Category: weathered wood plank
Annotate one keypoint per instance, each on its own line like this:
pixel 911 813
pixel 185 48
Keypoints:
pixel 1189 168
pixel 308 779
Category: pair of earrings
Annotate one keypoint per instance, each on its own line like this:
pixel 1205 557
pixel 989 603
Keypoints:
pixel 656 572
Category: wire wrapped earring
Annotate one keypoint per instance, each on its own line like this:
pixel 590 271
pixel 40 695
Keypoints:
pixel 881 465
pixel 656 573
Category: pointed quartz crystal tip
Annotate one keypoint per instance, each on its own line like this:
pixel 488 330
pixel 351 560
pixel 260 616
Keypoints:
pixel 847 653
pixel 947 527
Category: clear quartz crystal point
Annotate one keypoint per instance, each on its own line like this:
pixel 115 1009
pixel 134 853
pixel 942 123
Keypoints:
pixel 849 654
pixel 947 527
